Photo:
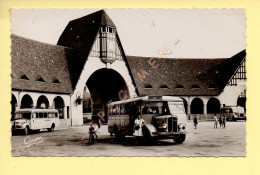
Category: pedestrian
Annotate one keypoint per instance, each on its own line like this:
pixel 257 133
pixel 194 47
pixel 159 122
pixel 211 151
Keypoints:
pixel 224 121
pixel 138 124
pixel 195 122
pixel 220 121
pixel 215 121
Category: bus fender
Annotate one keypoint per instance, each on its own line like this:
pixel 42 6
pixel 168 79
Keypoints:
pixel 151 129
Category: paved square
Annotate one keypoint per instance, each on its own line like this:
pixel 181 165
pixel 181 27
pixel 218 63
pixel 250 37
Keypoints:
pixel 204 141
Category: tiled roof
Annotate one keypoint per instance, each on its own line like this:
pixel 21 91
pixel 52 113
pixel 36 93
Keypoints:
pixel 197 76
pixel 37 66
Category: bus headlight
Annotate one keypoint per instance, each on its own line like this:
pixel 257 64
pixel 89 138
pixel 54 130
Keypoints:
pixel 181 126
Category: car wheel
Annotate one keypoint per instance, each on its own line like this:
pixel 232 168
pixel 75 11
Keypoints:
pixel 26 130
pixel 52 128
pixel 179 139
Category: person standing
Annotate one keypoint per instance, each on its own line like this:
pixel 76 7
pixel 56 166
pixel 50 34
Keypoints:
pixel 224 121
pixel 220 121
pixel 138 124
pixel 215 121
pixel 195 122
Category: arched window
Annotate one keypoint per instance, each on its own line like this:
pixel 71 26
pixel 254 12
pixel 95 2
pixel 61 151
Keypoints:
pixel 59 105
pixel 42 102
pixel 27 102
pixel 213 106
pixel 197 106
pixel 212 86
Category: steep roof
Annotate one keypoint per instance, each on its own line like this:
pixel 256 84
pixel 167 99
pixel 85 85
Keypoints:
pixel 197 76
pixel 80 35
pixel 32 61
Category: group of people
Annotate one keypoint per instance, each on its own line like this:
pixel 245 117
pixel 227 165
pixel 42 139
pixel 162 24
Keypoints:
pixel 221 121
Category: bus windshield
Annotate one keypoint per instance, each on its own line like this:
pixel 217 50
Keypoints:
pixel 154 108
pixel 25 115
pixel 176 107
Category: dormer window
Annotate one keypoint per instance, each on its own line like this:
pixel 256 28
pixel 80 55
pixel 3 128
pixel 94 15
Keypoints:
pixel 179 86
pixel 195 86
pixel 24 77
pixel 164 87
pixel 212 86
pixel 148 86
pixel 40 79
pixel 56 81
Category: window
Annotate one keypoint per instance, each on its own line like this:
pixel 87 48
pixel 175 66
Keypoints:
pixel 212 86
pixel 179 86
pixel 164 87
pixel 24 77
pixel 40 79
pixel 56 81
pixel 148 86
pixel 195 86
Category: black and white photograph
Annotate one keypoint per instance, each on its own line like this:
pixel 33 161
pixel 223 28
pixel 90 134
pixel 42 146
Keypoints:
pixel 128 82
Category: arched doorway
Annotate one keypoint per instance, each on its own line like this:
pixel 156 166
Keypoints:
pixel 27 102
pixel 197 106
pixel 241 101
pixel 105 86
pixel 14 105
pixel 58 104
pixel 213 106
pixel 185 105
pixel 42 102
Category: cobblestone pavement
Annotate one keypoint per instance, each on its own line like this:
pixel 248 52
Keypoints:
pixel 204 141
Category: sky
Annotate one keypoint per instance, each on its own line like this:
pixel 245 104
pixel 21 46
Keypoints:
pixel 187 33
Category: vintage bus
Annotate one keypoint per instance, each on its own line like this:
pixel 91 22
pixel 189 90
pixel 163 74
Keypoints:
pixel 233 113
pixel 164 116
pixel 29 119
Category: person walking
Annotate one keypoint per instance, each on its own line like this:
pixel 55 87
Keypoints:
pixel 224 121
pixel 215 121
pixel 220 121
pixel 195 122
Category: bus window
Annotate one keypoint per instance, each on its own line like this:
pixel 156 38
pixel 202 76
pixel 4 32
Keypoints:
pixel 40 115
pixel 122 109
pixel 56 115
pixel 50 115
pixel 117 110
pixel 45 115
pixel 127 107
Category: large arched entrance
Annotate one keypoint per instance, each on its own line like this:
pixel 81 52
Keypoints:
pixel 58 104
pixel 42 102
pixel 213 106
pixel 185 105
pixel 197 106
pixel 105 86
pixel 14 105
pixel 27 102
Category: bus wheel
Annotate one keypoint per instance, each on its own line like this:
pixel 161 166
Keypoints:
pixel 52 128
pixel 180 139
pixel 26 130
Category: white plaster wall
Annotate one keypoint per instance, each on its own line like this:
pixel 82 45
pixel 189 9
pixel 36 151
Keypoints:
pixel 93 64
pixel 231 93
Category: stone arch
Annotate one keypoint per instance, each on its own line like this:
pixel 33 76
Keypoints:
pixel 58 103
pixel 14 105
pixel 213 106
pixel 105 86
pixel 43 102
pixel 27 102
pixel 197 106
pixel 241 101
pixel 185 104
